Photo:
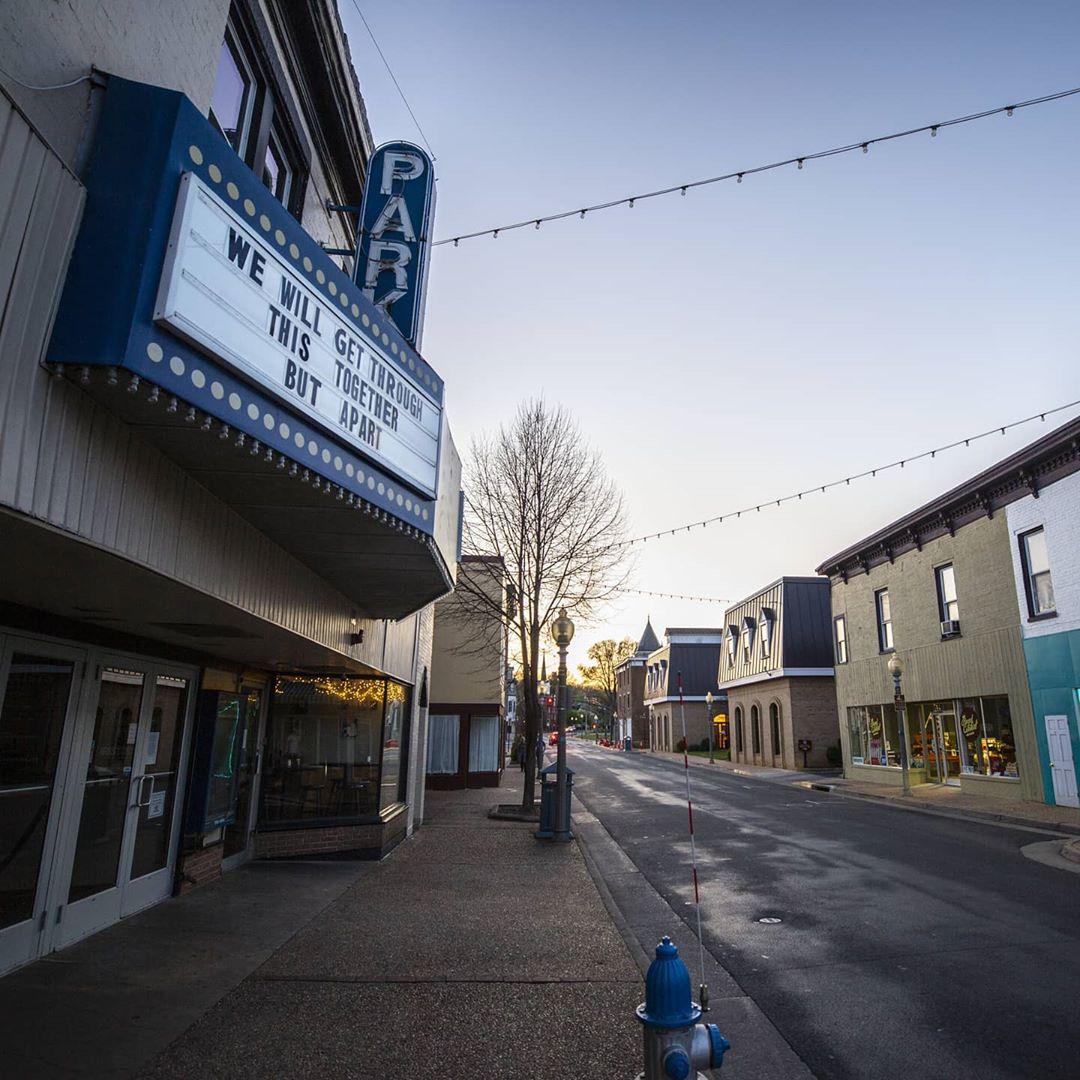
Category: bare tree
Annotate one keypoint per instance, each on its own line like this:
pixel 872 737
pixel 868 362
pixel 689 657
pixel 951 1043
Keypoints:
pixel 599 675
pixel 537 495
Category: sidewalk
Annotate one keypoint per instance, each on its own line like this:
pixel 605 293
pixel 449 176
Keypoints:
pixel 931 798
pixel 471 951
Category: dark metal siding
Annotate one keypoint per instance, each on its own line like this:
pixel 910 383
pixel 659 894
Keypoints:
pixel 698 664
pixel 807 624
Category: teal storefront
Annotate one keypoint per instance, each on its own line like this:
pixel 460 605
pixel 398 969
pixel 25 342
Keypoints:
pixel 1053 663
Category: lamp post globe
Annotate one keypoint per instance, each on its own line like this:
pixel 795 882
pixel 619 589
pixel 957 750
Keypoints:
pixel 896 666
pixel 562 633
pixel 562 630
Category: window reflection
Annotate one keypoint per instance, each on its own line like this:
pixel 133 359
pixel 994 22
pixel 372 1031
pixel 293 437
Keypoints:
pixel 35 702
pixel 326 744
pixel 232 90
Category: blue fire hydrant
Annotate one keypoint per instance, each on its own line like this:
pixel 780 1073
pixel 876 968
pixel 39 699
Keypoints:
pixel 676 1045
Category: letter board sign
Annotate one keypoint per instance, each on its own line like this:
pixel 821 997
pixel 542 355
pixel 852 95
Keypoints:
pixel 225 289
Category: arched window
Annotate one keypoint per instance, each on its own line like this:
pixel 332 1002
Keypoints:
pixel 738 730
pixel 774 724
pixel 755 728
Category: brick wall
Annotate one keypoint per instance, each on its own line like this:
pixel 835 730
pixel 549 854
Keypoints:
pixel 373 839
pixel 666 724
pixel 812 716
pixel 199 868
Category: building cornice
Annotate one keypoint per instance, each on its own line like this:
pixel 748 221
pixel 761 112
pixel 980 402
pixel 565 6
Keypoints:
pixel 780 673
pixel 1026 472
pixel 665 700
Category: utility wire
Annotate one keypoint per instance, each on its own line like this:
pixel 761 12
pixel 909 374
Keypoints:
pixel 393 79
pixel 799 161
pixel 844 481
pixel 55 86
pixel 674 596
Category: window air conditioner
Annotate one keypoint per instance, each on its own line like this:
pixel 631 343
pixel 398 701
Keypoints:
pixel 950 627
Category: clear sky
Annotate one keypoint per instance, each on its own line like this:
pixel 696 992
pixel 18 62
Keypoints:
pixel 746 341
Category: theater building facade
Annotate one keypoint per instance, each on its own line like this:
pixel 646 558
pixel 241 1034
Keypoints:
pixel 228 491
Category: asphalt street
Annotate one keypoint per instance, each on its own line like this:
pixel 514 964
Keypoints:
pixel 908 944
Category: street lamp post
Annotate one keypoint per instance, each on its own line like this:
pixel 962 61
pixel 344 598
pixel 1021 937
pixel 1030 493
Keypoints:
pixel 896 669
pixel 708 717
pixel 562 631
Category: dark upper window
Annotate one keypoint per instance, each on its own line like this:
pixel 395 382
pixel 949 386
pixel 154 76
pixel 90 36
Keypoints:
pixel 948 606
pixel 277 174
pixel 234 92
pixel 247 108
pixel 884 620
pixel 747 637
pixel 840 638
pixel 1036 565
pixel 765 625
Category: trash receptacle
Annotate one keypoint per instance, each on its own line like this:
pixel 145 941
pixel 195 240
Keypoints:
pixel 628 744
pixel 549 783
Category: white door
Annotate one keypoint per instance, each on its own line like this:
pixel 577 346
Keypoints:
pixel 121 821
pixel 1062 768
pixel 39 693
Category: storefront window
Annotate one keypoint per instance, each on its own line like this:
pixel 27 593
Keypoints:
pixel 325 745
pixel 998 745
pixel 394 748
pixel 875 736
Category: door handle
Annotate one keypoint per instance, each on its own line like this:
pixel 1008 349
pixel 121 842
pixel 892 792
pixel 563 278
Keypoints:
pixel 140 801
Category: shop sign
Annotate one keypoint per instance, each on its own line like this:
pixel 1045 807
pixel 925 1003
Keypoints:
pixel 395 234
pixel 226 290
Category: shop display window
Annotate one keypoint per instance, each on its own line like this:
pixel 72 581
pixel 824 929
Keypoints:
pixel 991 745
pixel 333 746
pixel 875 736
pixel 946 738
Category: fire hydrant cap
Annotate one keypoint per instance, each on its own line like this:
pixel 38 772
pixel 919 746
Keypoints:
pixel 667 991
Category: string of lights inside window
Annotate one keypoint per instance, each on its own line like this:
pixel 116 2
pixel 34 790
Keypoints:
pixel 799 161
pixel 846 480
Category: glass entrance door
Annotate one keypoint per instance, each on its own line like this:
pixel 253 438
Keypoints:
pixel 237 834
pixel 122 821
pixel 944 747
pixel 38 688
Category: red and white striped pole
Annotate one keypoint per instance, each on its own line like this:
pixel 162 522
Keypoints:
pixel 693 849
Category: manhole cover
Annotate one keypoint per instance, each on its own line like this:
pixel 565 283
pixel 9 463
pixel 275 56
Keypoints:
pixel 770 920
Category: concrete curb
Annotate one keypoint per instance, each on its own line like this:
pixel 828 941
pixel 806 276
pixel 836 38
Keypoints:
pixel 1070 850
pixel 640 957
pixel 981 816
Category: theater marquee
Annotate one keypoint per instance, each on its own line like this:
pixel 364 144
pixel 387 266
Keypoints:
pixel 226 290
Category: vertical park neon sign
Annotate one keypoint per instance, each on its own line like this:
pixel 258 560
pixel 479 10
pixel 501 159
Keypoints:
pixel 395 234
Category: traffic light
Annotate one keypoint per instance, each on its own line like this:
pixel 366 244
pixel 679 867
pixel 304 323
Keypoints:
pixel 549 701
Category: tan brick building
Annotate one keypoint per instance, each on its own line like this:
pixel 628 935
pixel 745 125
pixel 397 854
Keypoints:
pixel 936 590
pixel 776 667
pixel 689 654
pixel 630 709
